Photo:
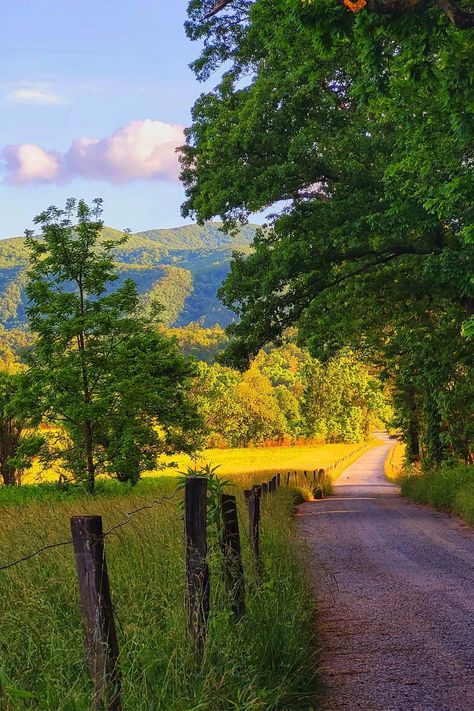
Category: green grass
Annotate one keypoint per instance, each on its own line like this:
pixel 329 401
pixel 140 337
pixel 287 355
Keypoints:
pixel 449 488
pixel 265 661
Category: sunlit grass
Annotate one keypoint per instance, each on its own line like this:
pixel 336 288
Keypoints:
pixel 395 462
pixel 266 661
pixel 449 488
pixel 261 461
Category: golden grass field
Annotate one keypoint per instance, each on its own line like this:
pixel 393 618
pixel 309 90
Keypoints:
pixel 395 462
pixel 260 461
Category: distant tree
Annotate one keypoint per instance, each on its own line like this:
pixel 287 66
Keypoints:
pixel 200 342
pixel 115 388
pixel 17 445
pixel 171 292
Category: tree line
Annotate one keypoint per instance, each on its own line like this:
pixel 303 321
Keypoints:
pixel 103 387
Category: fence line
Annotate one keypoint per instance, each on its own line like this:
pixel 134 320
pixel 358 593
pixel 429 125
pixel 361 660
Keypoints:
pixel 96 604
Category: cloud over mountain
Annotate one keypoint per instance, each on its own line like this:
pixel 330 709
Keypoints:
pixel 140 150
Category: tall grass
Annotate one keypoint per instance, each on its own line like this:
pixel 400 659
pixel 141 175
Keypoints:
pixel 265 661
pixel 449 488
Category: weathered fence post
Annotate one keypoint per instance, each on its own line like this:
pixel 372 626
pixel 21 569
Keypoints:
pixel 288 478
pixel 197 569
pixel 97 611
pixel 264 488
pixel 278 480
pixel 231 554
pixel 314 476
pixel 320 476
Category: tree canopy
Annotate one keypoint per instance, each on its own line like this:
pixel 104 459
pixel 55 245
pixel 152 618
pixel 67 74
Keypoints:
pixel 355 130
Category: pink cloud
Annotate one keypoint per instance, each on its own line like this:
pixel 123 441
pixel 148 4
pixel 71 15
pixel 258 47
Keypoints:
pixel 30 163
pixel 141 150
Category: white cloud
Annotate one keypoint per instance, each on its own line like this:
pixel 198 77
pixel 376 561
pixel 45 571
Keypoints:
pixel 35 95
pixel 140 150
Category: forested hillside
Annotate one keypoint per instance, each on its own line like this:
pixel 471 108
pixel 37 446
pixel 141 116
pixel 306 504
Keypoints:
pixel 182 268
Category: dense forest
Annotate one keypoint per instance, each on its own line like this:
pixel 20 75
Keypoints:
pixel 182 267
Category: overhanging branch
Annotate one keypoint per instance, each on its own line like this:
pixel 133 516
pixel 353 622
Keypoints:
pixel 461 19
pixel 217 8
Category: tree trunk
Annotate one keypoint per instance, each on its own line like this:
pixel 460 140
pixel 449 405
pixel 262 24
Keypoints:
pixel 9 440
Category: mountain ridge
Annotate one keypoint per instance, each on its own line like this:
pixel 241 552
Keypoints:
pixel 182 266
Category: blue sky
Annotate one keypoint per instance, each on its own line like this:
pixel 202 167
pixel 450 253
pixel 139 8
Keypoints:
pixel 114 71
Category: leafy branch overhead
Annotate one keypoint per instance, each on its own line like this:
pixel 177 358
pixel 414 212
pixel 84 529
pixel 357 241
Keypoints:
pixel 460 17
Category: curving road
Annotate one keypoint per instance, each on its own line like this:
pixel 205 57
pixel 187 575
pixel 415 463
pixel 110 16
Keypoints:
pixel 395 589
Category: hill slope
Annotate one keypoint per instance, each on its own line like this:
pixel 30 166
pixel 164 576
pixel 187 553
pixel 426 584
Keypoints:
pixel 182 267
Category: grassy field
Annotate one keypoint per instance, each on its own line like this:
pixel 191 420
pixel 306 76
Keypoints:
pixel 260 461
pixel 266 661
pixel 263 662
pixel 447 488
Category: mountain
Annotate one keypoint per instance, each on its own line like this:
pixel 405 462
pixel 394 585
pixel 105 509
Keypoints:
pixel 182 267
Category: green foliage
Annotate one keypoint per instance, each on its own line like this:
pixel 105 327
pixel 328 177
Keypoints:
pixel 286 394
pixel 169 293
pixel 449 488
pixel 115 388
pixel 202 343
pixel 356 132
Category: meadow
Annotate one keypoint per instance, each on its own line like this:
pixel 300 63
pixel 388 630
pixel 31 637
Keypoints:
pixel 264 661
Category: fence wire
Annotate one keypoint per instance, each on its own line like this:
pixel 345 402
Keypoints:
pixel 128 518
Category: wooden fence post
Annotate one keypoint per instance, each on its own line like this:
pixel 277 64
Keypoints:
pixel 278 479
pixel 265 488
pixel 197 569
pixel 97 611
pixel 288 478
pixel 231 554
pixel 320 476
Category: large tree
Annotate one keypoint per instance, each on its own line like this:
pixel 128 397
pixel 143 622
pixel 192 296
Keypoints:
pixel 113 387
pixel 355 130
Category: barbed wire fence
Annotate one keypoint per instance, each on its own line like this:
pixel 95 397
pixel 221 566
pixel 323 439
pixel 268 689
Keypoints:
pixel 88 539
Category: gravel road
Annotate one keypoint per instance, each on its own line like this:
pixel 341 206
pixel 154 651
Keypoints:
pixel 395 588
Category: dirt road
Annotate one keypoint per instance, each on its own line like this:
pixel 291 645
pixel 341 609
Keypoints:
pixel 395 585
